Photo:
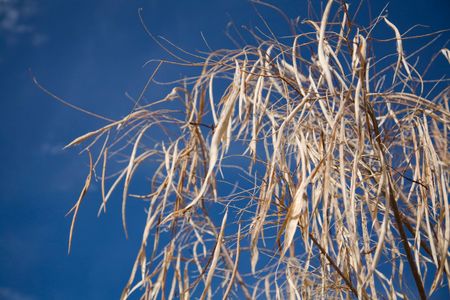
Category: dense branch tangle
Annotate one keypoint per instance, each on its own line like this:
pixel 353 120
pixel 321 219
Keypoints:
pixel 293 170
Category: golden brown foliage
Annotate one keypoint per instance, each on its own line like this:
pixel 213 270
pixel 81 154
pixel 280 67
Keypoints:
pixel 341 169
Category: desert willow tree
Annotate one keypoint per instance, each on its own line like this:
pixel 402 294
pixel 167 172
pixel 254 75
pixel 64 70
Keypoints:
pixel 300 167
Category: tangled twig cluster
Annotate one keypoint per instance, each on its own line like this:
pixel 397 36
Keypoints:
pixel 301 169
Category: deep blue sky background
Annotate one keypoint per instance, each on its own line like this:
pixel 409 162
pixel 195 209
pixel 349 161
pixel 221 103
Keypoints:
pixel 90 53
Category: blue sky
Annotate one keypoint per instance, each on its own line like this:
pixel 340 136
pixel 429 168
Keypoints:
pixel 90 53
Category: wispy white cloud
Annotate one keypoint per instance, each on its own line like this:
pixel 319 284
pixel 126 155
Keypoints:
pixel 11 294
pixel 51 149
pixel 16 22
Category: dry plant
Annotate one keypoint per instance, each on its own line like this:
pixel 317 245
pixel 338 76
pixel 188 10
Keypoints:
pixel 301 167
